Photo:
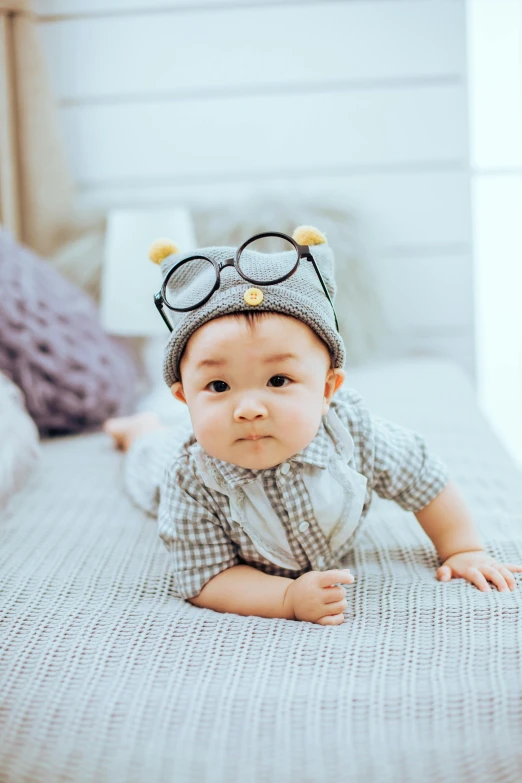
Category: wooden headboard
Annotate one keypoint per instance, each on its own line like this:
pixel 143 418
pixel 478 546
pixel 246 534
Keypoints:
pixel 201 101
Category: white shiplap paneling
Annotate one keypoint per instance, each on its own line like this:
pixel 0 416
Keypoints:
pixel 267 135
pixel 238 49
pixel 48 9
pixel 400 213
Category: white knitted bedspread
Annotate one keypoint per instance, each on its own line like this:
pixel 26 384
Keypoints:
pixel 107 677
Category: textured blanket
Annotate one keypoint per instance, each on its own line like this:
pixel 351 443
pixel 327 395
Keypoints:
pixel 107 676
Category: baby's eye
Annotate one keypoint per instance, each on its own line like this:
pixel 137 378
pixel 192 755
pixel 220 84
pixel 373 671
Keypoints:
pixel 219 385
pixel 279 380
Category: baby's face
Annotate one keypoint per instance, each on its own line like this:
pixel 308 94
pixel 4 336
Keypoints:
pixel 256 393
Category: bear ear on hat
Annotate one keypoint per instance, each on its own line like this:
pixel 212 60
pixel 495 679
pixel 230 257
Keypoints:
pixel 160 249
pixel 309 235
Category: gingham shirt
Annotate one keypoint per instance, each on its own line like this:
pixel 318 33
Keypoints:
pixel 195 521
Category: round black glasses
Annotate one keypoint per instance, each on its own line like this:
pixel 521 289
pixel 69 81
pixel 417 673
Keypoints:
pixel 204 273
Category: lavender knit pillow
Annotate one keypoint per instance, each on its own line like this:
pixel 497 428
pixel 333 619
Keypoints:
pixel 73 376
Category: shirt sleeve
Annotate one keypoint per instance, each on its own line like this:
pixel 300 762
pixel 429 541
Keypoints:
pixel 189 525
pixel 396 460
pixel 404 470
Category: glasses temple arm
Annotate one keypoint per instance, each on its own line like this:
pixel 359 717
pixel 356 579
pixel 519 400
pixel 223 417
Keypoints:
pixel 159 304
pixel 319 275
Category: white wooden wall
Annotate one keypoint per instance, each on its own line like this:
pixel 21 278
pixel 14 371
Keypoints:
pixel 190 102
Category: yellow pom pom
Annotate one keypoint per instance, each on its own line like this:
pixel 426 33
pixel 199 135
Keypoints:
pixel 308 235
pixel 160 249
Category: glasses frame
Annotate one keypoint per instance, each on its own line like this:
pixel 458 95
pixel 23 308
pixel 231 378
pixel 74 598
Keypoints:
pixel 303 253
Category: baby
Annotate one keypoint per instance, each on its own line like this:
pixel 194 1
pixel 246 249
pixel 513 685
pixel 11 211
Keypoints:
pixel 261 502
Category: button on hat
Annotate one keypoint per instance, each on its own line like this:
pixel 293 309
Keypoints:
pixel 253 296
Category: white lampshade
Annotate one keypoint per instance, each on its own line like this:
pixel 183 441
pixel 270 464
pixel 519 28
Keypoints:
pixel 130 279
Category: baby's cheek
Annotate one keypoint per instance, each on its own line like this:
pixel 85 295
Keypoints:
pixel 208 428
pixel 301 425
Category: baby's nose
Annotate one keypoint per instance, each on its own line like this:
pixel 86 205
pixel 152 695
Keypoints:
pixel 250 410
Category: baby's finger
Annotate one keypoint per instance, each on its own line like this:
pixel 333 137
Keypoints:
pixel 474 576
pixel 332 594
pixel 496 577
pixel 444 574
pixel 508 576
pixel 513 567
pixel 335 608
pixel 331 619
pixel 335 576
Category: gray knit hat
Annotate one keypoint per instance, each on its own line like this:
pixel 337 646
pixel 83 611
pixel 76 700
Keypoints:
pixel 300 296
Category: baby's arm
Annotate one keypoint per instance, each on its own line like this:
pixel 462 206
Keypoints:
pixel 406 471
pixel 247 591
pixel 447 521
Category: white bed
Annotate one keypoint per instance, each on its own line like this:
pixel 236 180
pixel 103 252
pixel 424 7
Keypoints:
pixel 106 675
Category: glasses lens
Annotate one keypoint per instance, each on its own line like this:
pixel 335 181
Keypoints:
pixel 192 281
pixel 267 259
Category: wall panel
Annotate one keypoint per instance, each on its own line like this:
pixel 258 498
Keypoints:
pixel 252 49
pixel 399 214
pixel 266 135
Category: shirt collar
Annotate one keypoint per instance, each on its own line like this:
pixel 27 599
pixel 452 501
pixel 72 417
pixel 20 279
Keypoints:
pixel 316 453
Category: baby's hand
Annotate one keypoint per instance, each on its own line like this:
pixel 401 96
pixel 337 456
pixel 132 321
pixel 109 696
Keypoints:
pixel 477 567
pixel 313 597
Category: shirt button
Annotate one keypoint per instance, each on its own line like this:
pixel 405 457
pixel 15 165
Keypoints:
pixel 303 527
pixel 285 467
pixel 320 562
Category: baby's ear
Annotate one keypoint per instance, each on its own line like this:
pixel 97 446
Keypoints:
pixel 309 235
pixel 334 381
pixel 160 249
pixel 177 392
